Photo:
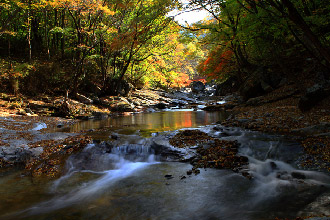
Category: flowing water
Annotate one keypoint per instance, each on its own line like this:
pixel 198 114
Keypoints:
pixel 129 181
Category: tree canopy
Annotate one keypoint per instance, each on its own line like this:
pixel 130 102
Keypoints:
pixel 244 34
pixel 95 41
pixel 84 44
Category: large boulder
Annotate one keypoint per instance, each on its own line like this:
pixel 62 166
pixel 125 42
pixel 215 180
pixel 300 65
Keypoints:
pixel 251 88
pixel 260 82
pixel 197 86
pixel 230 86
pixel 312 96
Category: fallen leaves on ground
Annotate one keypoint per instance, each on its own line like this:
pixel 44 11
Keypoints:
pixel 211 152
pixel 319 149
pixel 50 162
pixel 189 138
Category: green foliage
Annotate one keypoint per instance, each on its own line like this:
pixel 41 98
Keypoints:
pixel 98 42
pixel 262 33
pixel 101 42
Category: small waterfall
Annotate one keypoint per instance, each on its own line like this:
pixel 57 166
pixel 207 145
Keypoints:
pixel 105 167
pixel 120 179
pixel 133 152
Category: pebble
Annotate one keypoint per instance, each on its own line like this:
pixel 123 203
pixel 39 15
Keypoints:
pixel 168 176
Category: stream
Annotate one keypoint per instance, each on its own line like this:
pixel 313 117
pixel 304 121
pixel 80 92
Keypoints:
pixel 129 180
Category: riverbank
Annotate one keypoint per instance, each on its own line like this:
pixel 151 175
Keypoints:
pixel 30 133
pixel 83 107
pixel 38 134
pixel 278 112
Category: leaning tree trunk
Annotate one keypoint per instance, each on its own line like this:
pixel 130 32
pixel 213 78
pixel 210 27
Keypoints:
pixel 298 20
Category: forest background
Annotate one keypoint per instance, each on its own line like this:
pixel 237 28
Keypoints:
pixel 102 47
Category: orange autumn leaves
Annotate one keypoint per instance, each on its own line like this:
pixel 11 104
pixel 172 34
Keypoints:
pixel 217 65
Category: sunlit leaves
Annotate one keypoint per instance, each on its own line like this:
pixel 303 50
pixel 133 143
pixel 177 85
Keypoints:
pixel 131 40
pixel 218 65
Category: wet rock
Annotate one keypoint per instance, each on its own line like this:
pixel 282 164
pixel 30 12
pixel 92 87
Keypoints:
pixel 123 106
pixel 196 171
pixel 255 101
pixel 160 105
pixel 83 117
pixel 251 88
pixel 247 175
pixel 213 108
pixel 114 137
pixel 161 147
pixel 283 175
pixel 244 120
pixel 319 218
pixel 260 82
pixel 195 160
pixel 197 86
pixel 15 155
pixel 194 147
pixel 100 115
pixel 313 130
pixel 273 165
pixel 298 175
pixel 168 176
pixel 229 86
pixel 312 96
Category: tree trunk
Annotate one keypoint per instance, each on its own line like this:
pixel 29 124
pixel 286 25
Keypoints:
pixel 63 39
pixel 29 34
pixel 46 34
pixel 298 20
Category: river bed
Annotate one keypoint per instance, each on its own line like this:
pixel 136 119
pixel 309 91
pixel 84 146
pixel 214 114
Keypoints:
pixel 132 183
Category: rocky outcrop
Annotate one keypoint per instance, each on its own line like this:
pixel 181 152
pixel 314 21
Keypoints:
pixel 197 86
pixel 230 86
pixel 25 138
pixel 260 82
pixel 322 128
pixel 14 155
pixel 210 152
pixel 312 96
pixel 161 105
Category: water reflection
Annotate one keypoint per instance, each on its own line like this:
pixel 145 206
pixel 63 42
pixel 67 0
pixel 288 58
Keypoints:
pixel 151 122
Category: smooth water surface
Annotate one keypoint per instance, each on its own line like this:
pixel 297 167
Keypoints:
pixel 148 123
